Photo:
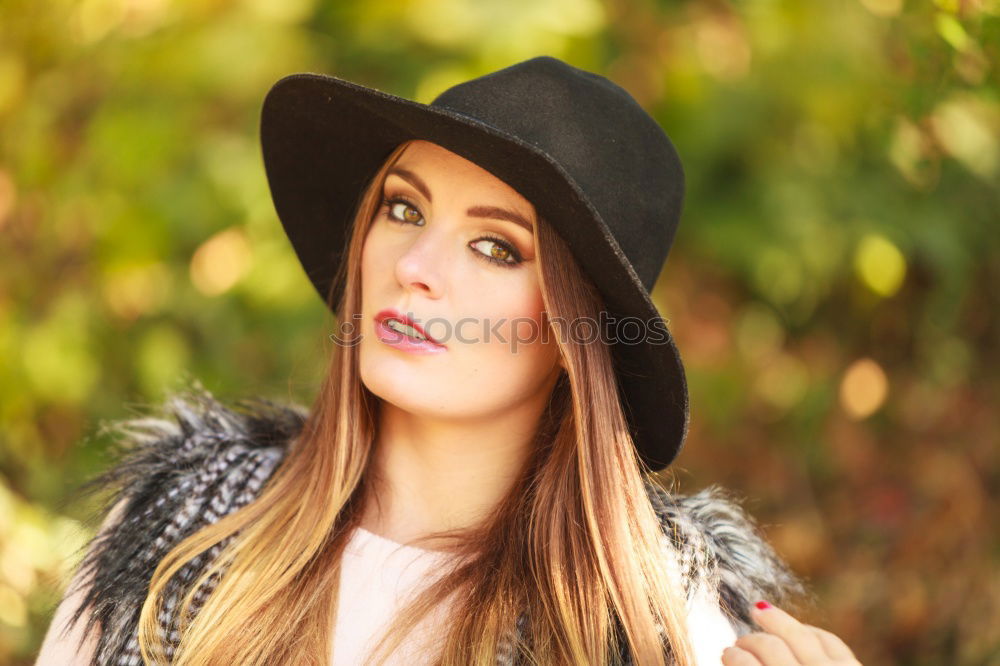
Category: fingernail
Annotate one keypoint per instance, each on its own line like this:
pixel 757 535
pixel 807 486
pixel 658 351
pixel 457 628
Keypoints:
pixel 763 605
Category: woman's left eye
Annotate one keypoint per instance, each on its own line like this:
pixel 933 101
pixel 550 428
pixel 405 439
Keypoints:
pixel 490 248
pixel 501 252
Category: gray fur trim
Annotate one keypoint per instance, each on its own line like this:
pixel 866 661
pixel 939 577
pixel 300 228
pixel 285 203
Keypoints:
pixel 177 474
pixel 203 460
pixel 742 565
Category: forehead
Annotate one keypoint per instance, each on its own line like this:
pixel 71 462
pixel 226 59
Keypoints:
pixel 440 167
pixel 427 152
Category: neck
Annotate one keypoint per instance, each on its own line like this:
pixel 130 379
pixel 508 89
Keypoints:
pixel 435 474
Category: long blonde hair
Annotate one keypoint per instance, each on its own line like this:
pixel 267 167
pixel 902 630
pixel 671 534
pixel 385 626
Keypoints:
pixel 575 543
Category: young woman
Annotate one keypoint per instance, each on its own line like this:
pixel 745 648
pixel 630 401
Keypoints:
pixel 474 483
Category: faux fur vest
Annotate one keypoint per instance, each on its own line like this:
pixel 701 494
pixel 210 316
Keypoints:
pixel 200 460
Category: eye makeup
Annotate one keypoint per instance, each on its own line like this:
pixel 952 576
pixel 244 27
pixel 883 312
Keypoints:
pixel 392 202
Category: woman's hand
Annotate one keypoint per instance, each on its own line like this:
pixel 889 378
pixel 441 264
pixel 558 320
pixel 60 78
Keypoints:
pixel 786 642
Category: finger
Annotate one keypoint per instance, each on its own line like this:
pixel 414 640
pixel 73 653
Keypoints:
pixel 803 642
pixel 832 645
pixel 734 656
pixel 769 649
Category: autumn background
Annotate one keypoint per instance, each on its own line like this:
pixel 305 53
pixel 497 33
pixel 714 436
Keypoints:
pixel 833 288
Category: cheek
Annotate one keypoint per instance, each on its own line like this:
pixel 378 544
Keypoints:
pixel 376 259
pixel 511 317
pixel 369 251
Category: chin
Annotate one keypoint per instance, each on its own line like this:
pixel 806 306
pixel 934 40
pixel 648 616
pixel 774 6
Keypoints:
pixel 401 386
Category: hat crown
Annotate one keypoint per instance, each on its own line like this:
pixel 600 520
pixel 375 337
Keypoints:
pixel 613 150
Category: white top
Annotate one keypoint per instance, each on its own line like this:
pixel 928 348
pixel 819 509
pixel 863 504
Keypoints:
pixel 378 575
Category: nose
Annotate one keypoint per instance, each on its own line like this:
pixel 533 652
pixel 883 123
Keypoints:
pixel 417 269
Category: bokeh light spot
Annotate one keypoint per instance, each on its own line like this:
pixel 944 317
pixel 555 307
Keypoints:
pixel 880 264
pixel 863 389
pixel 220 262
pixel 783 381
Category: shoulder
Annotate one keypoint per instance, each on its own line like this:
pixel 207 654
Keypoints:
pixel 190 449
pixel 721 549
pixel 176 468
pixel 192 428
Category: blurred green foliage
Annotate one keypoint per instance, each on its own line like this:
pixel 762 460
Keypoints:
pixel 833 288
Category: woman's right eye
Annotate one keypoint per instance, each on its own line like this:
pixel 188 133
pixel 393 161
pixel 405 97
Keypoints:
pixel 402 211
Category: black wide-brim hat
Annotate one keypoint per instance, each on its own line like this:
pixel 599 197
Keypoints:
pixel 594 164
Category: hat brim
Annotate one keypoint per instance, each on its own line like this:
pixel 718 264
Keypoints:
pixel 322 140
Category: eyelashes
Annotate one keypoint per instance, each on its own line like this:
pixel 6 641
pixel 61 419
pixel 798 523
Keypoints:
pixel 512 252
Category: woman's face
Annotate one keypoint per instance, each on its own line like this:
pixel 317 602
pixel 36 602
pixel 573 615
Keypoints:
pixel 445 251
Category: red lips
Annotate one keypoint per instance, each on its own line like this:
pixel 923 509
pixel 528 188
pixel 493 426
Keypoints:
pixel 392 313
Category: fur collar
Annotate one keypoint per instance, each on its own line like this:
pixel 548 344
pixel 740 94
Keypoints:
pixel 199 459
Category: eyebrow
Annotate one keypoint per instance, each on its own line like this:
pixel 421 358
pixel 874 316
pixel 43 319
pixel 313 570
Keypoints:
pixel 476 211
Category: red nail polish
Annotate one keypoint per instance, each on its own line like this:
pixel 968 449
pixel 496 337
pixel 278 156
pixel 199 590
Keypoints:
pixel 763 605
